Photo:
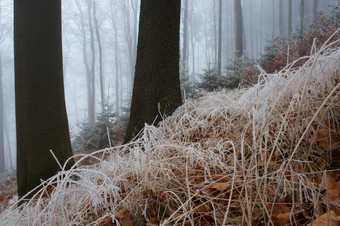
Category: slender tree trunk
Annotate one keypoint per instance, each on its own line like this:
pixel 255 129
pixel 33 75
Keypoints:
pixel 2 141
pixel 290 25
pixel 100 50
pixel 215 24
pixel 156 89
pixel 302 17
pixel 219 60
pixel 2 106
pixel 93 62
pixel 281 18
pixel 90 109
pixel 185 38
pixel 239 29
pixel 41 117
pixel 315 6
pixel 118 94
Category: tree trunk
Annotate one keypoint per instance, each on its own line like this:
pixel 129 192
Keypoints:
pixel 40 104
pixel 2 105
pixel 90 108
pixel 100 50
pixel 93 63
pixel 315 6
pixel 238 28
pixel 2 140
pixel 185 38
pixel 219 57
pixel 156 90
pixel 290 25
pixel 281 18
pixel 302 15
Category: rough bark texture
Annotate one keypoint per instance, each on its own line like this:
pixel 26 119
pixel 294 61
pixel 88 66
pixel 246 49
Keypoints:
pixel 238 26
pixel 40 104
pixel 156 83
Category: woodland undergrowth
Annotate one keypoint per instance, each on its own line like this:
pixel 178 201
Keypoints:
pixel 268 154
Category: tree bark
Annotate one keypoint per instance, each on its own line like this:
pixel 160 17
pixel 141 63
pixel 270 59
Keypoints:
pixel 238 28
pixel 40 104
pixel 156 90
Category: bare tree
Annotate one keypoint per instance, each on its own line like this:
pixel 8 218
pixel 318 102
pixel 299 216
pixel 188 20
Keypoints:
pixel 290 8
pixel 238 28
pixel 100 51
pixel 281 18
pixel 219 58
pixel 185 38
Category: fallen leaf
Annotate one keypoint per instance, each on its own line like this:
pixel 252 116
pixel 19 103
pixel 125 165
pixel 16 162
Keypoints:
pixel 329 219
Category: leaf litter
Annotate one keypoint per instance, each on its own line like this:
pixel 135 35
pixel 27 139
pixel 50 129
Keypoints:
pixel 268 154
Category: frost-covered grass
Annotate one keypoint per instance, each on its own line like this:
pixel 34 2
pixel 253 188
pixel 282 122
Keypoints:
pixel 248 156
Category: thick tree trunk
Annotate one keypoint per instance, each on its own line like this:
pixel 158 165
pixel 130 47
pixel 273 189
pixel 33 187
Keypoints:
pixel 156 85
pixel 238 28
pixel 40 104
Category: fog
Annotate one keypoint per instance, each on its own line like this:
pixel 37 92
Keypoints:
pixel 103 42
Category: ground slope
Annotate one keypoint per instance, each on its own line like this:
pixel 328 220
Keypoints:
pixel 262 155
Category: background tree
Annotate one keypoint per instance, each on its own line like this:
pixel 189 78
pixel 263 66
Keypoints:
pixel 219 57
pixel 2 141
pixel 40 105
pixel 238 28
pixel 156 85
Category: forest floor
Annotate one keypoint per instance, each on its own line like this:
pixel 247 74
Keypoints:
pixel 264 155
pixel 8 190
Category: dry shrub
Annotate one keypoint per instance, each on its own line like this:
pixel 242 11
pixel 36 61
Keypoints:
pixel 252 156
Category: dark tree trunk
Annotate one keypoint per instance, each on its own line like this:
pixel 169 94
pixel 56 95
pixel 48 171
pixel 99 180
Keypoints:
pixel 239 29
pixel 156 85
pixel 40 104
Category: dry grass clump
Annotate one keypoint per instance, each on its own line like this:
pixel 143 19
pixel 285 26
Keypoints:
pixel 264 155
